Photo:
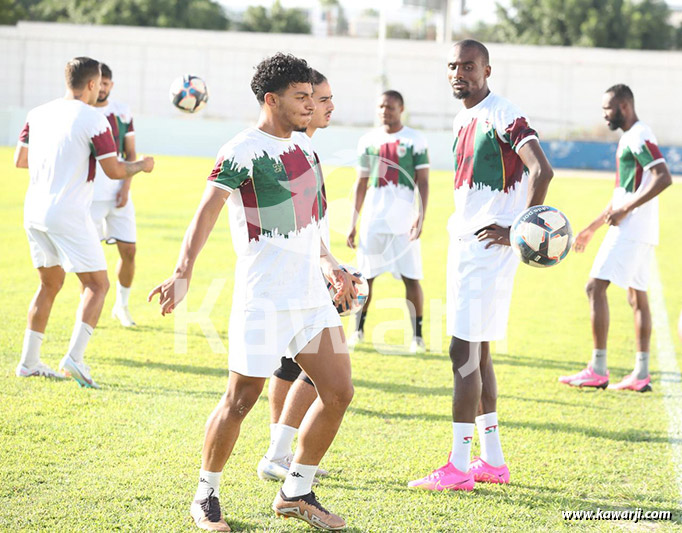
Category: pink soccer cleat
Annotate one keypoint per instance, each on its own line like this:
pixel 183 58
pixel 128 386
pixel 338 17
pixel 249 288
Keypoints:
pixel 631 383
pixel 486 473
pixel 586 378
pixel 446 477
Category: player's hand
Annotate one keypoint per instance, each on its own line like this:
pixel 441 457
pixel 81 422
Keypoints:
pixel 584 237
pixel 344 283
pixel 416 229
pixel 122 196
pixel 171 292
pixel 147 164
pixel 350 239
pixel 615 216
pixel 494 234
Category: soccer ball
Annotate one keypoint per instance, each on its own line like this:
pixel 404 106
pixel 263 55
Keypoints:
pixel 361 288
pixel 189 93
pixel 541 236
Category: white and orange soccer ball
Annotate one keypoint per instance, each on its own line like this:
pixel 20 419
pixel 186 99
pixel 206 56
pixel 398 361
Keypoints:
pixel 541 236
pixel 189 93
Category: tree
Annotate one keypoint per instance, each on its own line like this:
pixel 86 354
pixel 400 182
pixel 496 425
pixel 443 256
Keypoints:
pixel 601 23
pixel 203 14
pixel 277 20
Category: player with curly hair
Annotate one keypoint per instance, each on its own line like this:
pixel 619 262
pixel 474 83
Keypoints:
pixel 266 175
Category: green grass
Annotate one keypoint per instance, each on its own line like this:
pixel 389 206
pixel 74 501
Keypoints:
pixel 126 458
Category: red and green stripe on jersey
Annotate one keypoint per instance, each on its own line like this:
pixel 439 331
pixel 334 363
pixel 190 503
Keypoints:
pixel 280 195
pixel 483 158
pixel 119 128
pixel 630 164
pixel 393 162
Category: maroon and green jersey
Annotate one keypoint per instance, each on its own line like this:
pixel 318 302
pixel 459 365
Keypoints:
pixel 391 161
pixel 490 178
pixel 276 207
pixel 637 152
pixel 121 121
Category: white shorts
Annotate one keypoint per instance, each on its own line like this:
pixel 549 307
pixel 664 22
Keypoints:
pixel 479 289
pixel 114 224
pixel 76 252
pixel 385 252
pixel 260 336
pixel 623 262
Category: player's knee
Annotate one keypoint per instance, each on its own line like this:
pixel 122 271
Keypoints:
pixel 592 288
pixel 98 286
pixel 239 403
pixel 338 397
pixel 52 287
pixel 128 252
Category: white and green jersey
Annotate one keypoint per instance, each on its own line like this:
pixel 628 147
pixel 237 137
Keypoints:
pixel 637 152
pixel 121 122
pixel 391 160
pixel 276 206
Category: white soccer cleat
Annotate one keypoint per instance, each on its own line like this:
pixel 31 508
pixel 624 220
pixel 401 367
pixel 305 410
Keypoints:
pixel 122 314
pixel 40 370
pixel 417 345
pixel 78 371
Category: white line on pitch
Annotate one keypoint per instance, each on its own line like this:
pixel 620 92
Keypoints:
pixel 671 381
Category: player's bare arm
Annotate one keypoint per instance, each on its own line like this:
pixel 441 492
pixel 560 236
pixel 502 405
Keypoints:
pixel 21 156
pixel 422 179
pixel 120 170
pixel 359 194
pixel 660 180
pixel 130 155
pixel 170 293
pixel 585 236
pixel 540 173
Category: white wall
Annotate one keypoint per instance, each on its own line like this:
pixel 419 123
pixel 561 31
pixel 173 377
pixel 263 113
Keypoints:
pixel 558 88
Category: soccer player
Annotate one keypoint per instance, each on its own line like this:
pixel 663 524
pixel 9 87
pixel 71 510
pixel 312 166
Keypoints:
pixel 624 257
pixel 112 208
pixel 280 304
pixel 393 167
pixel 290 391
pixel 60 145
pixel 500 169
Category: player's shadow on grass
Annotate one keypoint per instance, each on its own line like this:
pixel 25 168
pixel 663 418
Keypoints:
pixel 400 416
pixel 575 405
pixel 628 435
pixel 402 388
pixel 529 361
pixel 171 367
pixel 397 351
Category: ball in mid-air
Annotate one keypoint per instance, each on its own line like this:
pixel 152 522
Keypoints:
pixel 541 236
pixel 189 93
pixel 362 289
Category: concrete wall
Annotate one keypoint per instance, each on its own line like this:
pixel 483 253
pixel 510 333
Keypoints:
pixel 558 88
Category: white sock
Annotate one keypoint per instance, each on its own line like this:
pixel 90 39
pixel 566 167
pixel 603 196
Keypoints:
pixel 598 362
pixel 641 365
pixel 281 438
pixel 462 435
pixel 208 481
pixel 299 480
pixel 122 294
pixel 79 341
pixel 488 434
pixel 30 351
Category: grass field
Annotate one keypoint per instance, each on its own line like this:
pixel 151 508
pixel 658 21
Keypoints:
pixel 126 458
